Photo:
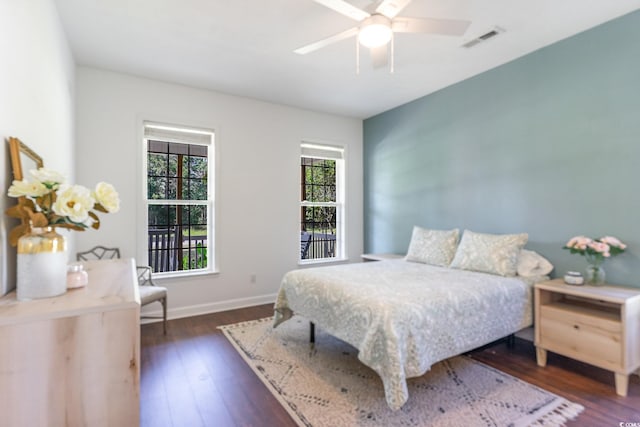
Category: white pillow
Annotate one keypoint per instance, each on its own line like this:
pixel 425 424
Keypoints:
pixel 435 247
pixel 489 253
pixel 531 263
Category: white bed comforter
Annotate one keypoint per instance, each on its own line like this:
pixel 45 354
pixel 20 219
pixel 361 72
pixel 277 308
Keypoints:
pixel 402 316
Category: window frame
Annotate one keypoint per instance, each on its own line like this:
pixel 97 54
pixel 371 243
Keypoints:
pixel 322 150
pixel 209 202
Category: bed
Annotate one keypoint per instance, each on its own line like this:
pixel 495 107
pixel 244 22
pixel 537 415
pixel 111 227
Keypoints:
pixel 404 316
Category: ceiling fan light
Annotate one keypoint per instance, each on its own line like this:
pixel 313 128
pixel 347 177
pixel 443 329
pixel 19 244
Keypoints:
pixel 374 35
pixel 375 31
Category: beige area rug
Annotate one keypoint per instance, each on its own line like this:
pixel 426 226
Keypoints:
pixel 326 385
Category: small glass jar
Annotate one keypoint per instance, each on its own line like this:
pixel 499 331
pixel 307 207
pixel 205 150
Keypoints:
pixel 573 278
pixel 76 276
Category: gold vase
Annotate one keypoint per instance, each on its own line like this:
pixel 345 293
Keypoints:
pixel 42 264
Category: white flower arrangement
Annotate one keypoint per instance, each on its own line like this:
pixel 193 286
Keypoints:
pixel 48 201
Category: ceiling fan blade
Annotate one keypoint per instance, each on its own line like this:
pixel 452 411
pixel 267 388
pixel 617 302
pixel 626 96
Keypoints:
pixel 345 8
pixel 379 56
pixel 326 42
pixel 448 27
pixel 391 8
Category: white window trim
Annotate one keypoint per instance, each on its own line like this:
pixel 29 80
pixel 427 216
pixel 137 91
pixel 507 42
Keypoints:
pixel 322 150
pixel 143 218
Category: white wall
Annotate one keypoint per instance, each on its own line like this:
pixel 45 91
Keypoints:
pixel 36 100
pixel 257 145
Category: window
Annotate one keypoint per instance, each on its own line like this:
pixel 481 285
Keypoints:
pixel 321 202
pixel 179 202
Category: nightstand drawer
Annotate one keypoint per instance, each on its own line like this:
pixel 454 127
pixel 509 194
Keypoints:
pixel 588 338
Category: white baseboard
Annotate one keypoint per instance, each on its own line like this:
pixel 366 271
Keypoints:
pixel 200 309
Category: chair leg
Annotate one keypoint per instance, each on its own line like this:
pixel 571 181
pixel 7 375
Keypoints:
pixel 164 314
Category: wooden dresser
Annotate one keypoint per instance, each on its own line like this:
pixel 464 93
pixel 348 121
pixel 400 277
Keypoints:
pixel 74 360
pixel 596 325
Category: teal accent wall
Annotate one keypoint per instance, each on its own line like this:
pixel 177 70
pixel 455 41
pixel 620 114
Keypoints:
pixel 547 144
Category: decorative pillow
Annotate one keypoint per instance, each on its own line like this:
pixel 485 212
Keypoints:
pixel 435 247
pixel 489 253
pixel 531 263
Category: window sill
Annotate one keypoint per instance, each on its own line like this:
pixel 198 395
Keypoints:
pixel 183 274
pixel 322 261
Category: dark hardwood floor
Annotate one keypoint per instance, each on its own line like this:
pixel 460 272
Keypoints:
pixel 193 377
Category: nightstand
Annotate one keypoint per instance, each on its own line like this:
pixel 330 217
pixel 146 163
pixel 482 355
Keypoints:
pixel 598 325
pixel 380 257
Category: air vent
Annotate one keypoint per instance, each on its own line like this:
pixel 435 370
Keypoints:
pixel 484 37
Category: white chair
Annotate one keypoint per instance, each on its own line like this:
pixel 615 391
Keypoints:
pixel 149 291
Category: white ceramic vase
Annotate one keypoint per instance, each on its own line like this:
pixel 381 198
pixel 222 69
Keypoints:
pixel 42 264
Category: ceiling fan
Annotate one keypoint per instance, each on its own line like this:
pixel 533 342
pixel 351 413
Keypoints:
pixel 376 27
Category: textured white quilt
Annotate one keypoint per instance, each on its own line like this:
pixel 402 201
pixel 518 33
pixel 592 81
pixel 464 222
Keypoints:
pixel 403 316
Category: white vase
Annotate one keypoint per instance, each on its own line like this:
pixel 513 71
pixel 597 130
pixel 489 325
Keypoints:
pixel 42 264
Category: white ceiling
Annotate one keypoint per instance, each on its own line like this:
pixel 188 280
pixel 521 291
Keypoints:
pixel 245 47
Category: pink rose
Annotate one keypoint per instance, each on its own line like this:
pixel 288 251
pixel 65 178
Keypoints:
pixel 579 242
pixel 612 241
pixel 600 247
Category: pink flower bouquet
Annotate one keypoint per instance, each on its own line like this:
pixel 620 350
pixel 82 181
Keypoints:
pixel 595 249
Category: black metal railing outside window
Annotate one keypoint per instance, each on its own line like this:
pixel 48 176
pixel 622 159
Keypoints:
pixel 177 192
pixel 319 210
